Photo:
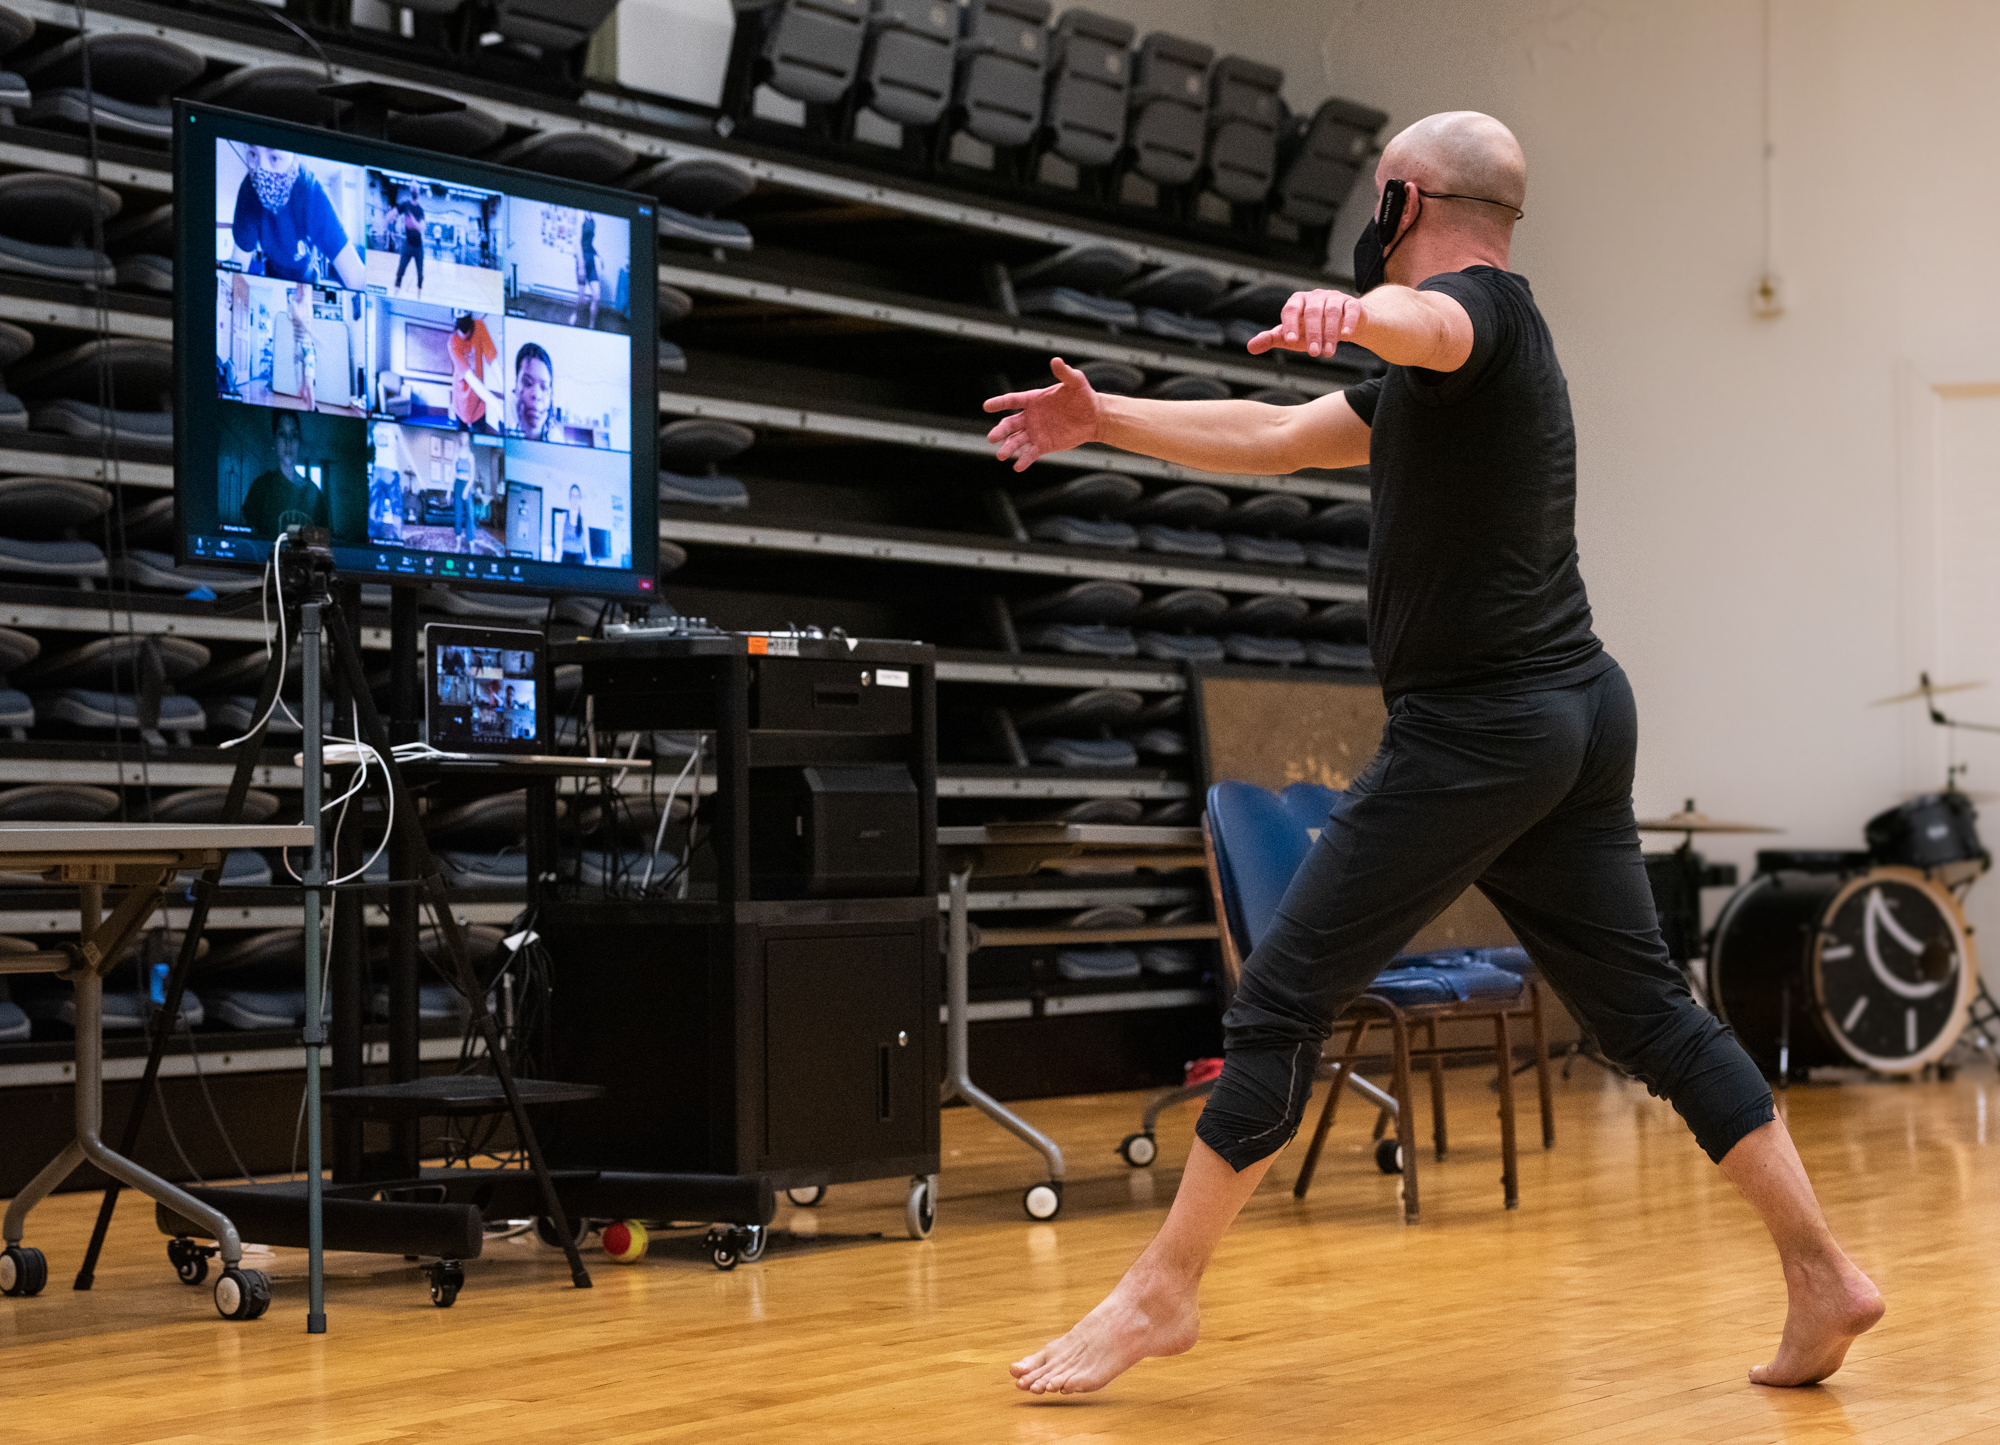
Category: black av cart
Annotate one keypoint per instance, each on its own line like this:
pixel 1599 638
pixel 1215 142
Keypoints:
pixel 767 1005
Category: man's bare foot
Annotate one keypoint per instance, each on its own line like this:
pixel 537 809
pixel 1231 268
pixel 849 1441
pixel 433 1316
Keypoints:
pixel 1831 1303
pixel 1133 1323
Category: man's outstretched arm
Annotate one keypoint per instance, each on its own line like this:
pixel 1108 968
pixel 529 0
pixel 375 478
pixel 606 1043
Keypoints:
pixel 1246 437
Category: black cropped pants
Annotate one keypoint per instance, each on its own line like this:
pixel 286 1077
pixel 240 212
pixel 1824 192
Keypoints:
pixel 1529 797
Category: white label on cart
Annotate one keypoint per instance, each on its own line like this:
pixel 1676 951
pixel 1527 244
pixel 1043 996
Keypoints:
pixel 891 677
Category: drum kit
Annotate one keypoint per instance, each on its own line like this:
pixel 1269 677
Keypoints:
pixel 1844 958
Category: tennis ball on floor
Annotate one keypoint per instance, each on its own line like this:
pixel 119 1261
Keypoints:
pixel 625 1241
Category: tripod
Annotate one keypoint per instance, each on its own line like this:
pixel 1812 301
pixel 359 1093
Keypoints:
pixel 307 576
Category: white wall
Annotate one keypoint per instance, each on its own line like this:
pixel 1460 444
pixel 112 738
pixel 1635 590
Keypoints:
pixel 1763 507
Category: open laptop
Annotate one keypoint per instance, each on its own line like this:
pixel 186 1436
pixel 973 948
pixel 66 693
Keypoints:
pixel 486 695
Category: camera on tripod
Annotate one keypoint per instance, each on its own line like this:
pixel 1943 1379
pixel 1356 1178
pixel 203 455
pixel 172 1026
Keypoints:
pixel 305 563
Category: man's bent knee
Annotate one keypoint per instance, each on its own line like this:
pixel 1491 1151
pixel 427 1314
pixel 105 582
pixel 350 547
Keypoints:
pixel 1258 1102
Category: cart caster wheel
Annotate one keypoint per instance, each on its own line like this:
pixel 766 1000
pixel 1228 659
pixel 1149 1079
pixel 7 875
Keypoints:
pixel 1043 1201
pixel 920 1212
pixel 751 1241
pixel 545 1230
pixel 809 1197
pixel 447 1279
pixel 722 1248
pixel 242 1294
pixel 1139 1150
pixel 1388 1156
pixel 23 1270
pixel 190 1261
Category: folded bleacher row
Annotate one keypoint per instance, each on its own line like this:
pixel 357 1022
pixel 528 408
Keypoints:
pixel 1162 124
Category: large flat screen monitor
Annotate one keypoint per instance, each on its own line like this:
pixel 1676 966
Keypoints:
pixel 449 365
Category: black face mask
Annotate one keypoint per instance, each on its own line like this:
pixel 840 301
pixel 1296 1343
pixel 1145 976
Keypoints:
pixel 1378 239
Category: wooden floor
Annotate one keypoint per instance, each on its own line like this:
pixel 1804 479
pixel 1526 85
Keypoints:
pixel 1623 1302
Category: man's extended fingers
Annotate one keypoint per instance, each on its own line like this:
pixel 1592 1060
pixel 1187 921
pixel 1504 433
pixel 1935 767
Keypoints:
pixel 1265 341
pixel 1288 319
pixel 1352 315
pixel 1007 427
pixel 1064 372
pixel 1012 401
pixel 1312 323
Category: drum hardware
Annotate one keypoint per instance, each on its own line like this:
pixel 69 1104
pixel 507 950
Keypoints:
pixel 1874 968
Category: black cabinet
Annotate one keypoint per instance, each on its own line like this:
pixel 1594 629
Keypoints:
pixel 794 1038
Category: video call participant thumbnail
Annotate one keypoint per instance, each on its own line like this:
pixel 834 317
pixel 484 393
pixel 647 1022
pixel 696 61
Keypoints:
pixel 286 227
pixel 283 496
pixel 534 392
pixel 473 350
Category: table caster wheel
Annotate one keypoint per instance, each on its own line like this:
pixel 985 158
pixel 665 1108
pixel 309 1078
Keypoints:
pixel 545 1230
pixel 751 1241
pixel 722 1248
pixel 190 1260
pixel 920 1212
pixel 808 1197
pixel 1139 1150
pixel 447 1279
pixel 1388 1156
pixel 1043 1201
pixel 242 1294
pixel 23 1270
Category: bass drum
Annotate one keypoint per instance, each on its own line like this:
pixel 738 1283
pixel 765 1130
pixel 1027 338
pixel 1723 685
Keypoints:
pixel 1877 968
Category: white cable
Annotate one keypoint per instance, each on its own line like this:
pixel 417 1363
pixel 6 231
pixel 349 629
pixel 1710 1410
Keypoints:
pixel 665 813
pixel 630 753
pixel 272 576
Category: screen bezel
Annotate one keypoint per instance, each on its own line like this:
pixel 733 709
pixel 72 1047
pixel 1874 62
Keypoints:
pixel 457 634
pixel 197 407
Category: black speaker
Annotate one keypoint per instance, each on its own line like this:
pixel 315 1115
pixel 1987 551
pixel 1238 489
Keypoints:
pixel 834 830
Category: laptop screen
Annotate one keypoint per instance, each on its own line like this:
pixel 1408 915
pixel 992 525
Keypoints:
pixel 486 690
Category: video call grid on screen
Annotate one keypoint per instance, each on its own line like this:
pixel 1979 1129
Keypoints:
pixel 485 691
pixel 435 359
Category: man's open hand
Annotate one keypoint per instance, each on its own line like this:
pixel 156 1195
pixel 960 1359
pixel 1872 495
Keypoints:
pixel 1053 419
pixel 1313 322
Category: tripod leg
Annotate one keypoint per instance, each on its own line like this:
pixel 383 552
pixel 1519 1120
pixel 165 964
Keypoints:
pixel 170 1011
pixel 462 976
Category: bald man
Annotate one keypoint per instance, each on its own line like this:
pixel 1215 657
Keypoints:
pixel 1507 759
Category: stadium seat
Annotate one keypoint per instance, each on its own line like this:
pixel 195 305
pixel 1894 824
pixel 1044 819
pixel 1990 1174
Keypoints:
pixel 140 373
pixel 64 559
pixel 580 155
pixel 1273 513
pixel 507 606
pixel 1094 494
pixel 1189 505
pixel 144 567
pixel 49 506
pixel 92 710
pixel 1267 612
pixel 553 26
pixel 1169 108
pixel 283 92
pixel 1245 111
pixel 1182 541
pixel 116 660
pixel 699 185
pixel 811 49
pixel 1323 157
pixel 466 132
pixel 495 820
pixel 1081 639
pixel 1089 80
pixel 1002 57
pixel 907 65
pixel 1180 647
pixel 132 75
pixel 1093 707
pixel 53 209
pixel 1097 602
pixel 204 805
pixel 1264 551
pixel 146 273
pixel 57 803
pixel 1183 610
pixel 1183 288
pixel 149 231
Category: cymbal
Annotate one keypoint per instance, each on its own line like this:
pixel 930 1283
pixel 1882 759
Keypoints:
pixel 1929 689
pixel 1689 821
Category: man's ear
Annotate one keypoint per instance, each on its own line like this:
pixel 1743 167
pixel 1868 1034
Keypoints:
pixel 1413 205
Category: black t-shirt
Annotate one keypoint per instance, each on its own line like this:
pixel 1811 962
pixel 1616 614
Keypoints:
pixel 275 502
pixel 1473 584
